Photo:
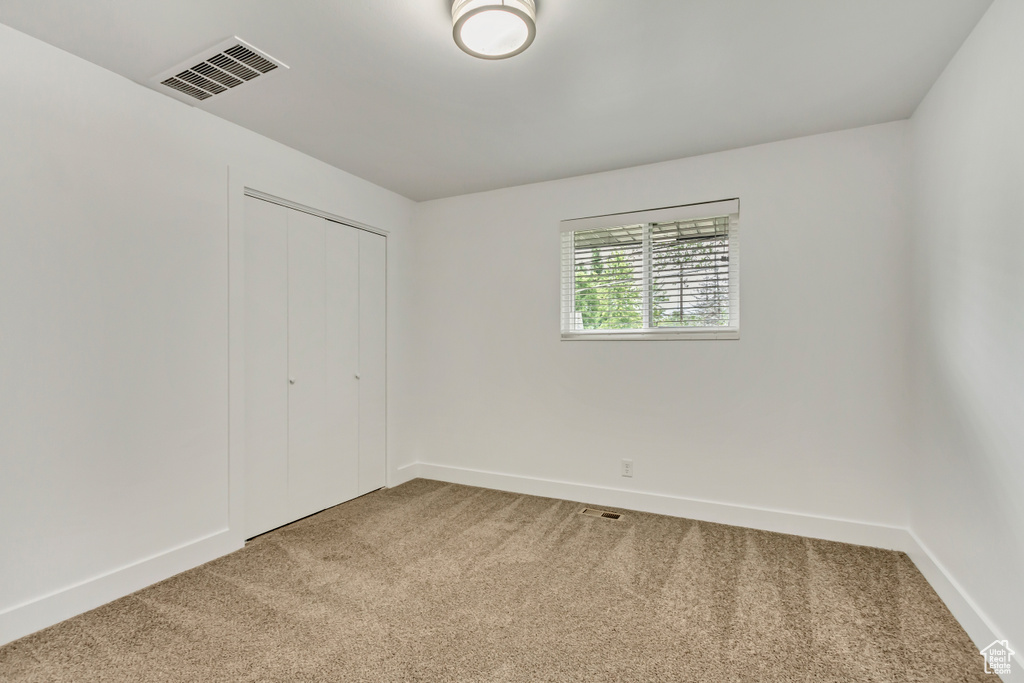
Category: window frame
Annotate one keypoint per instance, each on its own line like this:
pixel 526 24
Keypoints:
pixel 682 213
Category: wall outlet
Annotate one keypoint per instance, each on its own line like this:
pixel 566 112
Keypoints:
pixel 627 468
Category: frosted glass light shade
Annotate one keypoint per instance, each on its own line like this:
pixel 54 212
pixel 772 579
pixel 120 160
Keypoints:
pixel 494 29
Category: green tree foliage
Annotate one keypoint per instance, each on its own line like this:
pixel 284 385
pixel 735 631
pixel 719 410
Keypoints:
pixel 608 295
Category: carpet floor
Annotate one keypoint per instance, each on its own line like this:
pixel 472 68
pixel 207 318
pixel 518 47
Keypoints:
pixel 439 582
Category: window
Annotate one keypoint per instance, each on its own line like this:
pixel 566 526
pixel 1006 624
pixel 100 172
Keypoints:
pixel 668 273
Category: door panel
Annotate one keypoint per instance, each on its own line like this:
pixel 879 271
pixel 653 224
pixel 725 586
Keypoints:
pixel 372 361
pixel 315 306
pixel 266 366
pixel 309 490
pixel 342 297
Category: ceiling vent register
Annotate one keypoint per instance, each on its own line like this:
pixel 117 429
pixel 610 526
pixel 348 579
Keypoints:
pixel 218 70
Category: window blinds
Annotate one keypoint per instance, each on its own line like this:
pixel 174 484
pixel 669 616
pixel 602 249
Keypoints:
pixel 652 277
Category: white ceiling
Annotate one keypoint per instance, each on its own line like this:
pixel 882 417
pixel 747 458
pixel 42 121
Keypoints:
pixel 378 87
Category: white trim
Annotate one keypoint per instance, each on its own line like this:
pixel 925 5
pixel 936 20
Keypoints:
pixel 404 473
pixel 666 333
pixel 966 611
pixel 812 526
pixel 668 214
pixel 28 617
pixel 256 194
pixel 972 618
pixel 236 353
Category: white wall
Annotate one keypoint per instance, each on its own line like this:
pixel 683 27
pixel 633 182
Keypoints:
pixel 968 337
pixel 114 372
pixel 114 350
pixel 806 413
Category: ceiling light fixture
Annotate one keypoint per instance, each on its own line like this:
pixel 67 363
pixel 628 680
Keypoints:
pixel 494 29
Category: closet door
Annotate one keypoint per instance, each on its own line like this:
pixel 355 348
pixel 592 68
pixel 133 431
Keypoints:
pixel 309 449
pixel 372 361
pixel 314 364
pixel 266 366
pixel 342 370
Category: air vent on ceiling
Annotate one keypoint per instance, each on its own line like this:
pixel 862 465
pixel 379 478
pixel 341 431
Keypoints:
pixel 218 70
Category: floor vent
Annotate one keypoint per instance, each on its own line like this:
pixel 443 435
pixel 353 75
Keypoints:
pixel 218 70
pixel 591 512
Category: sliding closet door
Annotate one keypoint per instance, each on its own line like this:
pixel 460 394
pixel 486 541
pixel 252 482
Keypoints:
pixel 266 366
pixel 372 357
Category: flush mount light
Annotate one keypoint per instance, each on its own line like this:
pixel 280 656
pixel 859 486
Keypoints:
pixel 494 29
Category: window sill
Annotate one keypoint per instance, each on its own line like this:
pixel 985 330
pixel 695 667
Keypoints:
pixel 650 335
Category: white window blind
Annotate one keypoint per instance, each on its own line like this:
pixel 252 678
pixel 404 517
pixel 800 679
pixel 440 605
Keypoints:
pixel 664 273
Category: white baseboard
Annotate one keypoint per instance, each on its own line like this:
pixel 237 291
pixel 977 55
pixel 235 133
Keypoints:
pixel 964 609
pixel 979 627
pixel 29 617
pixel 402 474
pixel 845 531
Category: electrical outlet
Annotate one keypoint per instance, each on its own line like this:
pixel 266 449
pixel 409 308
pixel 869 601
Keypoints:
pixel 627 468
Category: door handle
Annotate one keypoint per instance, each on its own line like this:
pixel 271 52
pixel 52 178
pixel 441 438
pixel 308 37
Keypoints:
pixel 357 376
pixel 291 380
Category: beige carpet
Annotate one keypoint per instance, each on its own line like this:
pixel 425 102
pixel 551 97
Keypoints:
pixel 438 582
